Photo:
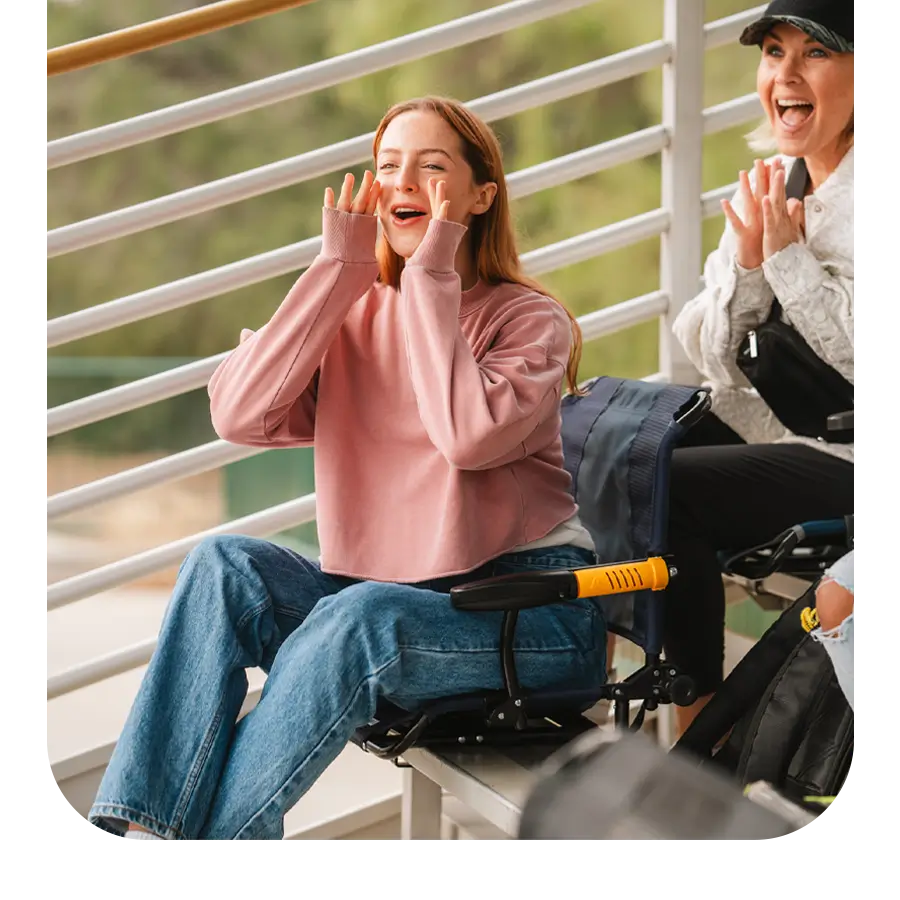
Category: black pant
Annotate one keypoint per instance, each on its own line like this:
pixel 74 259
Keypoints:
pixel 728 495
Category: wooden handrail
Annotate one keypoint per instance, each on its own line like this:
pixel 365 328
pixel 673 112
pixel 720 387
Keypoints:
pixel 168 30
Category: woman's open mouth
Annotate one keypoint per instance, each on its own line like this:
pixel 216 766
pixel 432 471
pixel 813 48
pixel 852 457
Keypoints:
pixel 404 215
pixel 794 114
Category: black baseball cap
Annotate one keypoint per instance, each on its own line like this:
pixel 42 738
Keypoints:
pixel 830 22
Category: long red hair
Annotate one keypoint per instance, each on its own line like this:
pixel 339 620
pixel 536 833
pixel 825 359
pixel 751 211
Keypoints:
pixel 493 239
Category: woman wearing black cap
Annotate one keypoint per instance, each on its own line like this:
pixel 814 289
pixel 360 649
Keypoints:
pixel 752 478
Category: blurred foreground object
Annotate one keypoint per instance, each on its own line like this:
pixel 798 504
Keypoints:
pixel 610 785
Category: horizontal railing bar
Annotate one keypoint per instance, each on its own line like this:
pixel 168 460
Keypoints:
pixel 100 668
pixel 572 82
pixel 200 459
pixel 111 366
pixel 183 292
pixel 731 114
pixel 304 80
pixel 145 391
pixel 263 266
pixel 150 35
pixel 260 524
pixel 711 200
pixel 271 177
pixel 589 161
pixel 604 322
pixel 330 72
pixel 726 31
pixel 595 243
pixel 130 396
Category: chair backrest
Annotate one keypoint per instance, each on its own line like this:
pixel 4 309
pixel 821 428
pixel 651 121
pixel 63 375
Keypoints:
pixel 618 441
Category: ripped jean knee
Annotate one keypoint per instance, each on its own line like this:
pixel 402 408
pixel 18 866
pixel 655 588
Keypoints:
pixel 838 641
pixel 842 572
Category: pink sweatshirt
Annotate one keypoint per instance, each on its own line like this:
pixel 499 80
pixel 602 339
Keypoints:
pixel 434 411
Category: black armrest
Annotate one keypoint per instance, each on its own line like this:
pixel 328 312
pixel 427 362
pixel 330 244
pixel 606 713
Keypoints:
pixel 842 421
pixel 514 592
pixel 530 589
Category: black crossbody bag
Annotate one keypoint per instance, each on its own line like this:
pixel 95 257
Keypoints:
pixel 798 386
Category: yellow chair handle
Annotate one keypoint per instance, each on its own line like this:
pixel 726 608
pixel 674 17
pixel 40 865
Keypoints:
pixel 619 578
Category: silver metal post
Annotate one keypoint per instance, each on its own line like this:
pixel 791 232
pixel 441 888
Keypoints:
pixel 420 815
pixel 681 245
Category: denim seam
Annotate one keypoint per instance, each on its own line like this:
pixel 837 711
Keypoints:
pixel 202 757
pixel 200 760
pixel 317 749
pixel 288 612
pixel 492 650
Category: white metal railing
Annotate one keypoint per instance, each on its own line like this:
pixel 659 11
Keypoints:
pixel 268 521
pixel 297 256
pixel 182 379
pixel 200 459
pixel 344 155
pixel 305 80
pixel 677 222
pixel 329 73
pixel 273 263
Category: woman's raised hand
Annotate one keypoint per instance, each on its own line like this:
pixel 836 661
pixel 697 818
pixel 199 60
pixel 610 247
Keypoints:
pixel 437 191
pixel 783 220
pixel 749 229
pixel 366 202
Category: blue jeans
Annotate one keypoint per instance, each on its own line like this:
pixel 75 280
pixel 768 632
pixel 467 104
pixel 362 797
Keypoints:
pixel 838 642
pixel 186 769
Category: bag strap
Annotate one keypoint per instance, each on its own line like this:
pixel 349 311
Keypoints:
pixel 797 180
pixel 749 680
pixel 794 189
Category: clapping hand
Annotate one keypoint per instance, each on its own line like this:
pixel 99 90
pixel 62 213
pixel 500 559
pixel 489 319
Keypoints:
pixel 783 219
pixel 770 221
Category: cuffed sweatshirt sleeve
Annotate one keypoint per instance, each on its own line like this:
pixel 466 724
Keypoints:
pixel 479 413
pixel 264 392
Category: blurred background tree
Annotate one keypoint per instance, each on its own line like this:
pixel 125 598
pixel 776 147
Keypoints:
pixel 148 81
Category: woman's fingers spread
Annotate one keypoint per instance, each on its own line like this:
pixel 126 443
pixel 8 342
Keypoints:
pixel 329 198
pixel 797 213
pixel 749 201
pixel 776 187
pixel 733 218
pixel 777 196
pixel 374 195
pixel 362 197
pixel 761 171
pixel 346 193
pixel 768 212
